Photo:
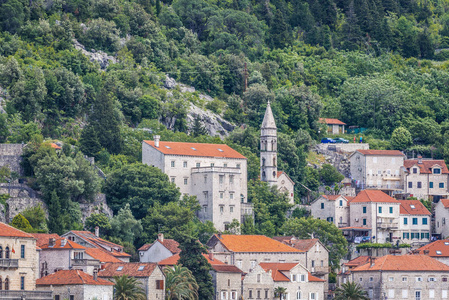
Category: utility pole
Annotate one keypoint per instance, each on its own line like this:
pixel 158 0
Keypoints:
pixel 245 78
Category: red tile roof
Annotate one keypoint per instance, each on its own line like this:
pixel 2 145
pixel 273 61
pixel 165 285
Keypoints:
pixel 9 231
pixel 285 239
pixel 173 260
pixel 101 255
pixel 331 121
pixel 71 277
pixel 170 244
pixel 445 202
pixel 315 279
pixel 196 149
pixel 277 269
pixel 419 208
pixel 58 245
pixel 414 263
pixel 253 243
pixel 426 165
pixel 381 152
pixel 305 245
pixel 55 146
pixel 131 269
pixel 361 260
pixel 441 245
pixel 226 268
pixel 373 196
pixel 106 246
pixel 42 238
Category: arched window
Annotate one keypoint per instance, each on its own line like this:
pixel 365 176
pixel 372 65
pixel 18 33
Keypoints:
pixel 6 255
pixel 263 162
pixel 6 284
pixel 298 295
pixel 274 174
pixel 273 145
pixel 274 161
pixel 1 252
pixel 263 175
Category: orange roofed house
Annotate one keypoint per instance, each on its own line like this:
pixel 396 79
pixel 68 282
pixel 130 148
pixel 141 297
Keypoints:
pixel 104 249
pixel 415 223
pixel 334 126
pixel 438 249
pixel 76 285
pixel 418 277
pixel 332 208
pixel 19 265
pixel 215 173
pixel 148 274
pixel 160 249
pixel 247 251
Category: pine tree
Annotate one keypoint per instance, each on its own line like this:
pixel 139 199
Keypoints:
pixel 192 258
pixel 198 128
pixel 55 223
pixel 280 34
pixel 90 145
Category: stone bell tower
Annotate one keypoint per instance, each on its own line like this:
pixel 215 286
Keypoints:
pixel 268 148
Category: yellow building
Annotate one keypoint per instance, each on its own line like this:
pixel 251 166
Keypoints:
pixel 19 265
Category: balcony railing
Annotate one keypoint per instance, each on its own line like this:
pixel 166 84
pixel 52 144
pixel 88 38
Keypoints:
pixel 9 263
pixel 29 295
pixel 85 262
pixel 387 223
pixel 216 169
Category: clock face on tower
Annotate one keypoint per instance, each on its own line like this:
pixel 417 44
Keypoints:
pixel 283 181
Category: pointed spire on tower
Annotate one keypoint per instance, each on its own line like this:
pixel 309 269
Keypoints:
pixel 268 119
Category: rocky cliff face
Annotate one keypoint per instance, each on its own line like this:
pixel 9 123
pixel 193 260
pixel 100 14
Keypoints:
pixel 212 122
pixel 95 56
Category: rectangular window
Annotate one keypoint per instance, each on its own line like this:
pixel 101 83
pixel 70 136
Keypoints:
pixel 341 202
pixel 172 163
pixel 221 195
pixel 415 221
pixel 212 164
pixel 432 294
pixel 364 221
pixel 57 297
pixel 221 179
pixel 250 294
pixel 185 181
pixel 22 283
pixel 231 209
pixel 221 208
pixel 231 196
pixel 258 294
pixel 405 221
pixel 419 185
pixel 371 279
pixel 444 294
pixel 231 179
pixel 22 251
pixel 422 235
pixel 172 179
pixel 184 164
pixel 72 297
pixel 198 165
pixel 424 221
pixel 404 294
pixel 431 185
pixel 390 279
pixel 405 235
pixel 391 294
pixel 238 166
pixel 410 184
pixel 322 205
pixel 364 209
pixel 380 209
pixel 159 284
pixel 441 185
pixel 436 171
pixel 303 278
pixel 404 279
pixel 418 279
pixel 225 165
pixel 418 295
pixel 391 209
pixel 312 296
pixel 415 170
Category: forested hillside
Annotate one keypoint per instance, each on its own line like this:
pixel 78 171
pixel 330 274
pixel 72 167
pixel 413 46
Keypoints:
pixel 370 63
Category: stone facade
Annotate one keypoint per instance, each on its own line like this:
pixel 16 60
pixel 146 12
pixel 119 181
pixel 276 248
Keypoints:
pixel 219 182
pixel 227 285
pixel 333 208
pixel 379 169
pixel 442 218
pixel 80 292
pixel 11 156
pixel 258 282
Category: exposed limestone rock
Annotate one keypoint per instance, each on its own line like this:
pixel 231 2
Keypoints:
pixel 95 56
pixel 98 206
pixel 213 123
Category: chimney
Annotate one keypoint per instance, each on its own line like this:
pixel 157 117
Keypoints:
pixel 156 140
pixel 419 159
pixel 63 242
pixel 211 256
pixel 160 237
pixel 95 274
pixel 51 242
pixel 371 261
pixel 97 231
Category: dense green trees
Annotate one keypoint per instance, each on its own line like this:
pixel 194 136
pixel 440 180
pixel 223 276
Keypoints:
pixel 180 283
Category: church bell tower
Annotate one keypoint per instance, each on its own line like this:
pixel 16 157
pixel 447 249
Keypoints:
pixel 268 148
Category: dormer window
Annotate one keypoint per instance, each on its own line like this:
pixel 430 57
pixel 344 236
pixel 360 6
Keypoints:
pixel 141 268
pixel 119 268
pixel 415 170
pixel 436 171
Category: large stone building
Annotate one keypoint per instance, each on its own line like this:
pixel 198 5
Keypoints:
pixel 19 265
pixel 332 208
pixel 416 277
pixel 415 223
pixel 247 251
pixel 268 157
pixel 425 178
pixel 215 173
pixel 377 169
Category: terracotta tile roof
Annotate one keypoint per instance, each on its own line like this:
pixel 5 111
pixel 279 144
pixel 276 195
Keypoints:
pixel 226 268
pixel 71 277
pixel 9 231
pixel 442 246
pixel 173 260
pixel 404 263
pixel 55 146
pixel 284 239
pixel 417 209
pixel 170 244
pixel 445 202
pixel 349 198
pixel 133 269
pixel 373 196
pixel 106 246
pixel 304 245
pixel 145 247
pixel 42 238
pixel 277 269
pixel 381 152
pixel 425 167
pixel 101 255
pixel 196 149
pixel 331 121
pixel 315 279
pixel 253 243
pixel 58 245
pixel 361 260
